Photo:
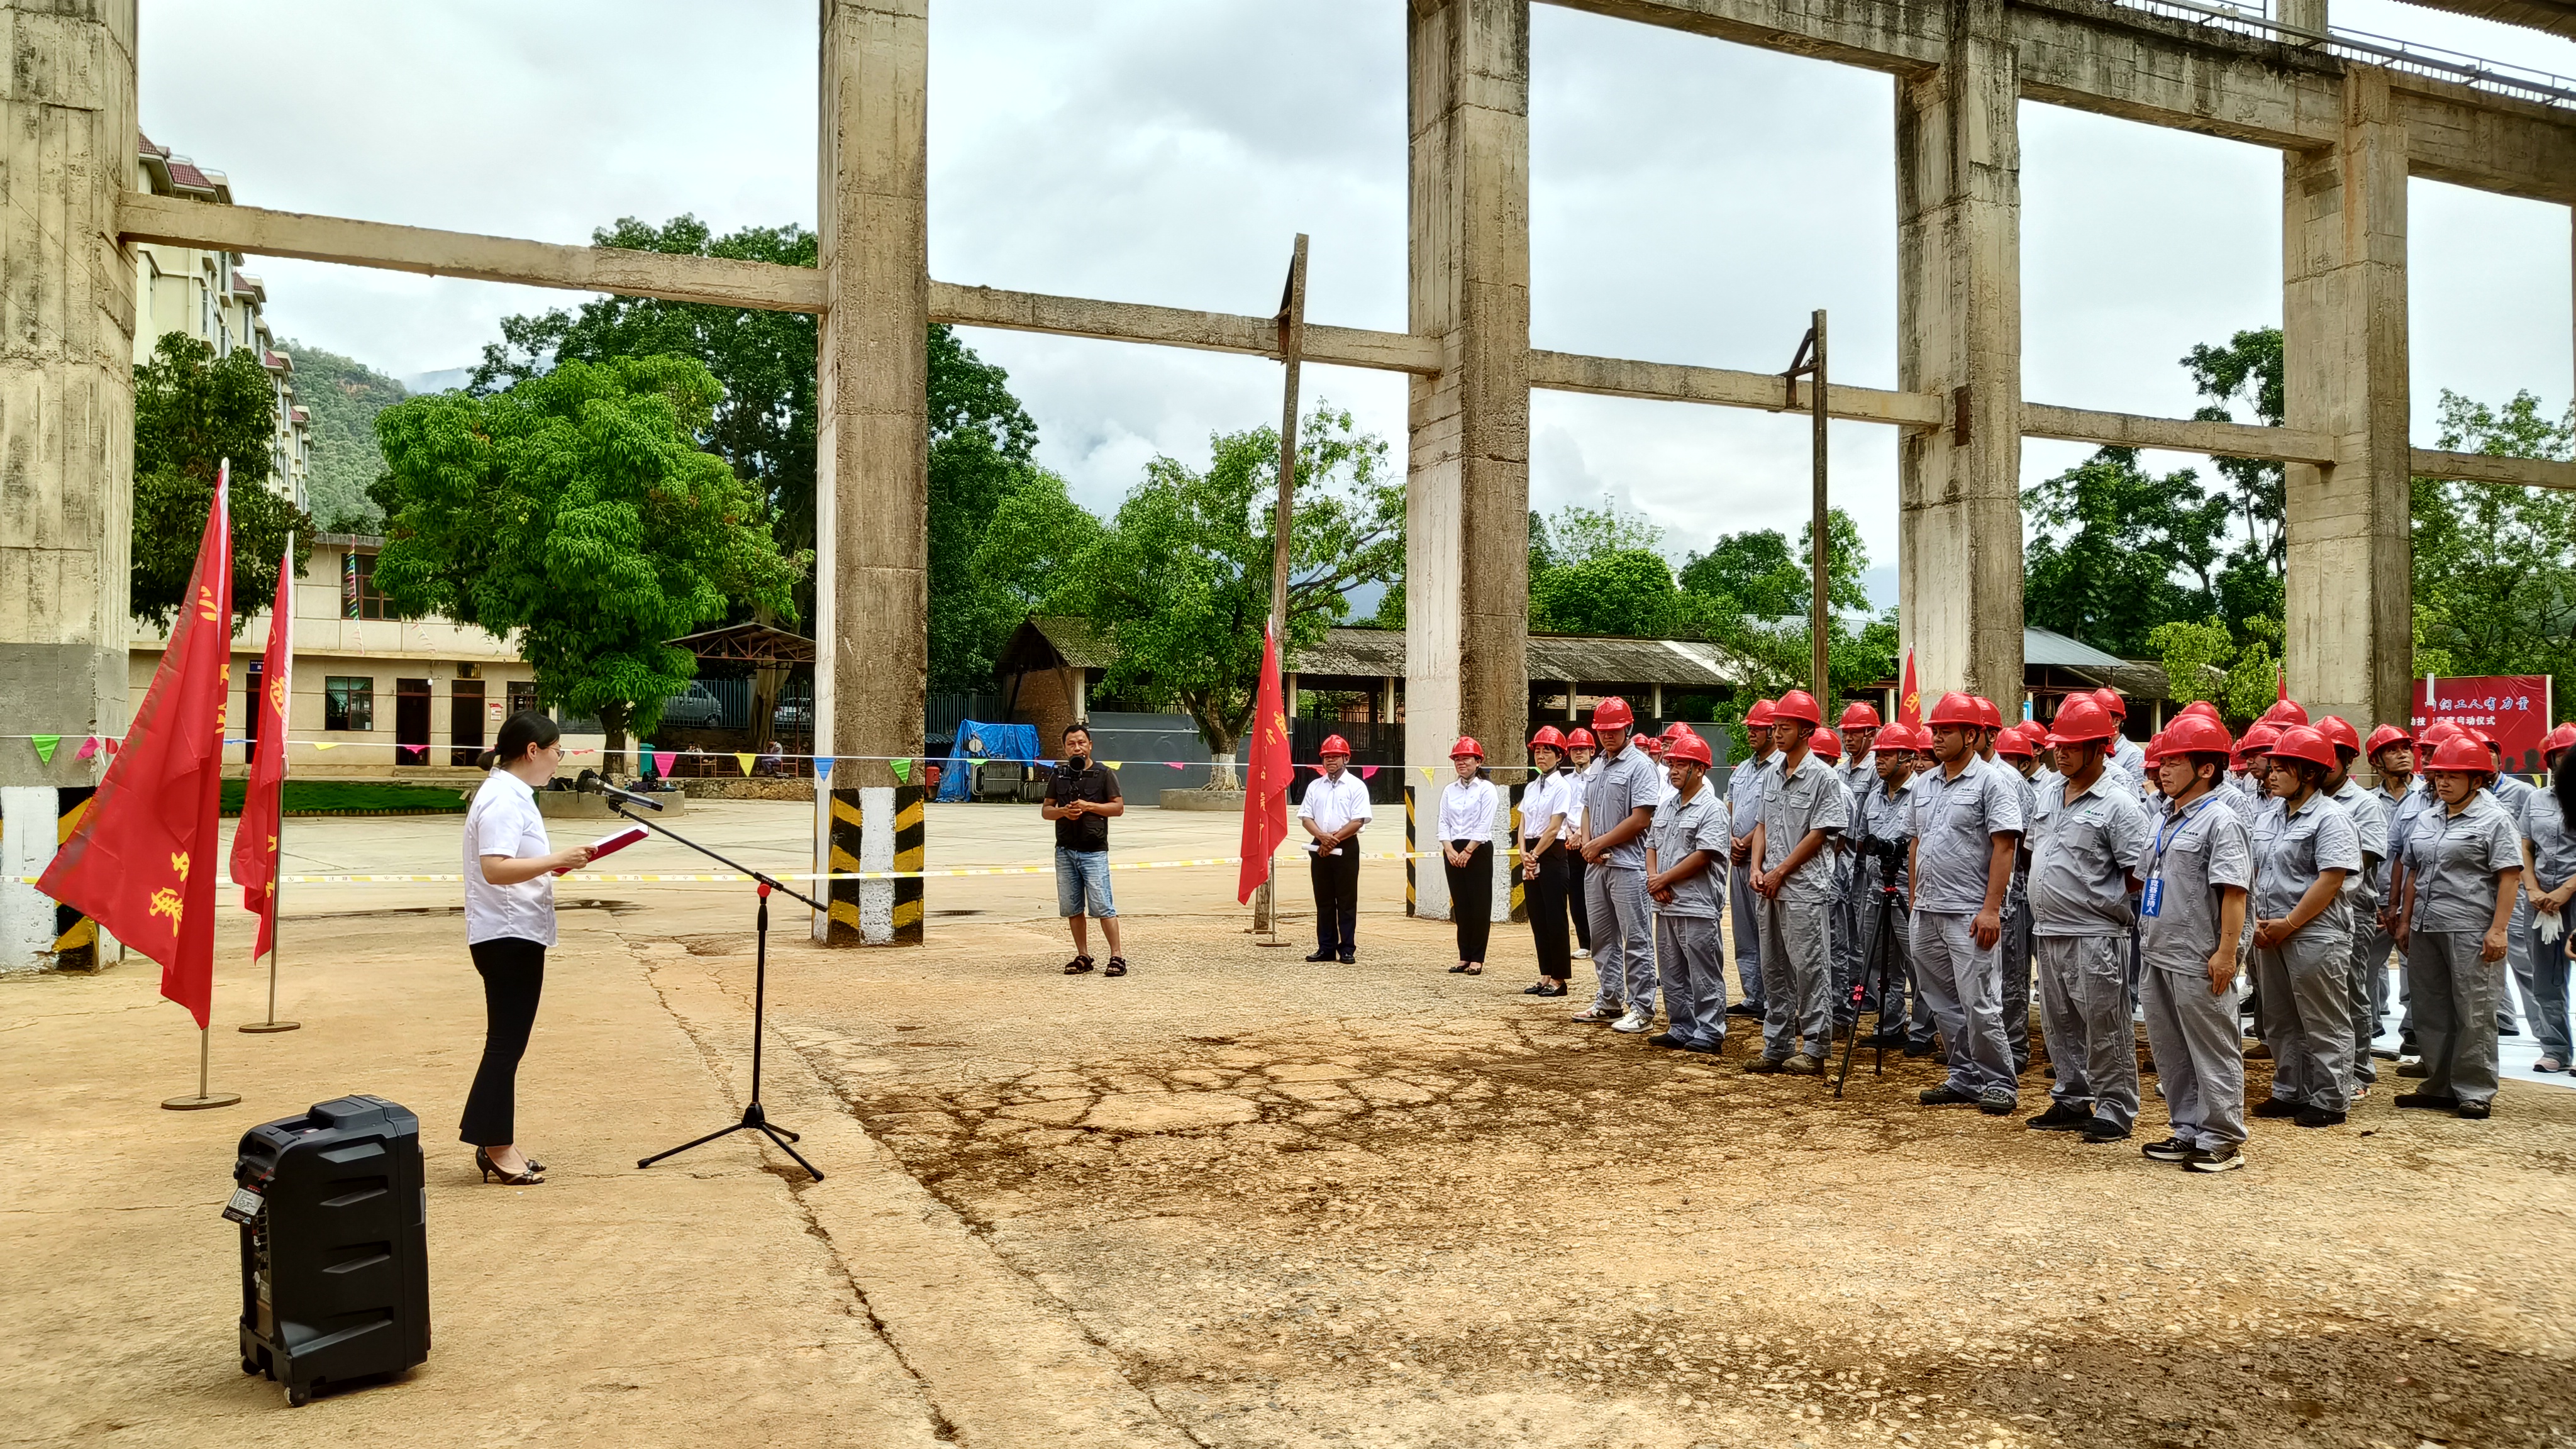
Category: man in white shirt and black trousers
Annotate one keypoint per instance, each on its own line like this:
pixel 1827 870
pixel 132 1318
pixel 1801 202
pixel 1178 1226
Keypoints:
pixel 1335 808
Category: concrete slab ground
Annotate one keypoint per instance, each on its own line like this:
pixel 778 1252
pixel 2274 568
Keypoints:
pixel 1233 1199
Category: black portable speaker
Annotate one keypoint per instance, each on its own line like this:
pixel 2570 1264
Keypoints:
pixel 334 1245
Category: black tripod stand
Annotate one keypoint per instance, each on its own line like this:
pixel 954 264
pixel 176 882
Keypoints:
pixel 753 1118
pixel 1882 960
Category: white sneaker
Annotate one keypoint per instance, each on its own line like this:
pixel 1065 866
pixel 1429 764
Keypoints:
pixel 1635 1021
pixel 1581 954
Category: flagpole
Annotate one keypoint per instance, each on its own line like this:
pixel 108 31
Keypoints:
pixel 275 881
pixel 1292 346
pixel 203 1099
pixel 281 623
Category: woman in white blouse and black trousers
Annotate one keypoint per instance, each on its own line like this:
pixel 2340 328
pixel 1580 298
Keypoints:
pixel 509 923
pixel 1467 849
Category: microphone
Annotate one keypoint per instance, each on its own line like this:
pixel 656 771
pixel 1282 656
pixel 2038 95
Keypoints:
pixel 590 782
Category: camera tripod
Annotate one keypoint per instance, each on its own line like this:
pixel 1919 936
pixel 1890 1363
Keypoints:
pixel 1882 960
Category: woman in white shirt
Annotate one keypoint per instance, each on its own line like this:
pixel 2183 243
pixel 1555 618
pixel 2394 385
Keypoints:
pixel 1543 855
pixel 1467 849
pixel 509 923
pixel 1573 775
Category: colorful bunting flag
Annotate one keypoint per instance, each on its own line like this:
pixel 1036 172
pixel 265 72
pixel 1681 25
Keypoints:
pixel 662 762
pixel 744 761
pixel 46 745
pixel 822 766
pixel 1113 764
pixel 902 770
pixel 1368 772
pixel 89 748
pixel 326 744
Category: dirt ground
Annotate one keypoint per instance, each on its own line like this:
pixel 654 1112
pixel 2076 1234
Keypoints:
pixel 1237 1199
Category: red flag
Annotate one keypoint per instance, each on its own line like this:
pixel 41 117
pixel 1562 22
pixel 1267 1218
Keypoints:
pixel 1265 795
pixel 142 861
pixel 254 863
pixel 1909 705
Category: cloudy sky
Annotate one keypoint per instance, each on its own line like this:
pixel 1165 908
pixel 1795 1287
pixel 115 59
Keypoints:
pixel 1691 202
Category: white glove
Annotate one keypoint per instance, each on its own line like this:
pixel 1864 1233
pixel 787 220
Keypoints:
pixel 2547 924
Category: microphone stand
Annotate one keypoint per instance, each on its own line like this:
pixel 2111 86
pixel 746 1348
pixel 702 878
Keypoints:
pixel 753 1118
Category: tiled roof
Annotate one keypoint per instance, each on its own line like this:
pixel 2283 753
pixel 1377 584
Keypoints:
pixel 149 149
pixel 185 174
pixel 276 361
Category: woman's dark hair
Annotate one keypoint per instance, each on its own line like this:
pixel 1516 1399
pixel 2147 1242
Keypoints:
pixel 2310 773
pixel 2562 782
pixel 519 732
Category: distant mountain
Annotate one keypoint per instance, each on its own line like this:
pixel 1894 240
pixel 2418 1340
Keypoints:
pixel 343 396
pixel 446 379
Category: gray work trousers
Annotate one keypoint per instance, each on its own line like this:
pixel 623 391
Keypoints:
pixel 1844 920
pixel 2517 956
pixel 2015 955
pixel 2200 1058
pixel 1692 966
pixel 2084 1012
pixel 1744 911
pixel 1864 983
pixel 2549 996
pixel 2307 1017
pixel 1962 984
pixel 1796 979
pixel 1623 939
pixel 2369 994
pixel 2455 996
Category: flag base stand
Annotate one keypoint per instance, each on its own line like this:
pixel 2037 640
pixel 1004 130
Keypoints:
pixel 1265 915
pixel 257 1028
pixel 202 1098
pixel 269 1026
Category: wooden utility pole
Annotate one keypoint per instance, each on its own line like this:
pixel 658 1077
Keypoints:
pixel 1810 364
pixel 1292 345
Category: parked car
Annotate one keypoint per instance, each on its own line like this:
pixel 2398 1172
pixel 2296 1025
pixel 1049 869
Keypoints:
pixel 793 716
pixel 693 708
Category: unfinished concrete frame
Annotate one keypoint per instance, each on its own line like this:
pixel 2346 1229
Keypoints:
pixel 2350 135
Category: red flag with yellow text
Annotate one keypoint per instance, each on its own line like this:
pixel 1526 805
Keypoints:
pixel 1265 794
pixel 1909 703
pixel 254 863
pixel 142 861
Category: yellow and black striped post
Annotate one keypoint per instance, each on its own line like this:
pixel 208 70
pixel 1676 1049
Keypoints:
pixel 907 857
pixel 75 935
pixel 843 895
pixel 1520 887
pixel 1408 850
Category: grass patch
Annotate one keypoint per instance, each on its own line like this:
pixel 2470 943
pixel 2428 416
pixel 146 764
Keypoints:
pixel 357 797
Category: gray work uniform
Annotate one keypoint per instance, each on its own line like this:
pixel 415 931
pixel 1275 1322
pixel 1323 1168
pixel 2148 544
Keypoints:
pixel 2014 952
pixel 1744 803
pixel 2371 944
pixel 2082 854
pixel 1623 945
pixel 2553 860
pixel 1859 776
pixel 1796 973
pixel 2419 798
pixel 1883 817
pixel 2510 792
pixel 2454 860
pixel 1687 956
pixel 2306 980
pixel 1956 820
pixel 2361 892
pixel 2200 850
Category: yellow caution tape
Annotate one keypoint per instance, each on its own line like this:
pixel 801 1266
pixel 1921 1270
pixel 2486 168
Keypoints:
pixel 590 877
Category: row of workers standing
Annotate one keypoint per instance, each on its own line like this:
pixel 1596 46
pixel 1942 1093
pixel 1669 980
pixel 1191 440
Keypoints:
pixel 1926 878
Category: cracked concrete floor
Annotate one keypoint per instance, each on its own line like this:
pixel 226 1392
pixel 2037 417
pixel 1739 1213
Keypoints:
pixel 1236 1199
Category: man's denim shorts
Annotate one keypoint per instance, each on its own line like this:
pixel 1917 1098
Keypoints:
pixel 1083 876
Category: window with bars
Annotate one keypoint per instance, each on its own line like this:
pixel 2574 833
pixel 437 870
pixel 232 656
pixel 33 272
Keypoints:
pixel 348 702
pixel 359 597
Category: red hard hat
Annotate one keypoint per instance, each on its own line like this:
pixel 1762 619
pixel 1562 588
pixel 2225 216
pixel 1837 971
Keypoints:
pixel 2080 719
pixel 1759 716
pixel 2340 734
pixel 1579 738
pixel 1988 717
pixel 1955 708
pixel 2199 707
pixel 1651 744
pixel 1613 714
pixel 2482 737
pixel 1676 730
pixel 1826 744
pixel 2191 734
pixel 1547 736
pixel 2154 752
pixel 2259 740
pixel 1860 715
pixel 2384 736
pixel 1688 747
pixel 2559 739
pixel 1897 738
pixel 2302 742
pixel 1335 745
pixel 2436 732
pixel 2112 704
pixel 2463 754
pixel 2284 713
pixel 1467 746
pixel 2015 741
pixel 1797 705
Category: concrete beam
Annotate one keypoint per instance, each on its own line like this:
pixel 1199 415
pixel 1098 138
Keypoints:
pixel 256 231
pixel 2482 468
pixel 2116 60
pixel 1178 327
pixel 2224 440
pixel 1724 387
pixel 2489 143
pixel 1873 34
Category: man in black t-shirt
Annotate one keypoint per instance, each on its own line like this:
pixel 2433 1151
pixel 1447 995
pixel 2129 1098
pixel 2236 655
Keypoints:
pixel 1080 800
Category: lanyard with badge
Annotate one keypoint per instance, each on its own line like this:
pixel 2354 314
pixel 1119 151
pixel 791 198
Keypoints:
pixel 2151 901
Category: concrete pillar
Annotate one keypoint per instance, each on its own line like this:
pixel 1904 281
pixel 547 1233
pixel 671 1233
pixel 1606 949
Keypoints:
pixel 67 138
pixel 872 460
pixel 1466 645
pixel 1958 273
pixel 2307 15
pixel 2349 592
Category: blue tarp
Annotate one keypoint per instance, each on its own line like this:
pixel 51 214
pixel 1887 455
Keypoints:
pixel 977 742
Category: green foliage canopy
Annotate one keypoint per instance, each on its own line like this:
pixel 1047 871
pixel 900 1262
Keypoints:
pixel 191 411
pixel 342 396
pixel 2495 568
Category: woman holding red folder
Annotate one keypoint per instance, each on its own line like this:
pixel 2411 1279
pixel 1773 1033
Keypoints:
pixel 510 868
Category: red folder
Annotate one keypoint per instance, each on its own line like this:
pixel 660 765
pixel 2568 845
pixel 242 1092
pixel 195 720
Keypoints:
pixel 613 843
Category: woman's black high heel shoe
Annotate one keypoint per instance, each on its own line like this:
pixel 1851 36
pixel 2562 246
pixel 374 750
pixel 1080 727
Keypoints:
pixel 483 1160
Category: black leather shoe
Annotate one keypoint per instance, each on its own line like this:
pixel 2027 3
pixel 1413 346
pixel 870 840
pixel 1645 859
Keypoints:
pixel 1319 955
pixel 1743 1009
pixel 1553 988
pixel 1345 958
pixel 2430 1101
pixel 1944 1096
pixel 2275 1107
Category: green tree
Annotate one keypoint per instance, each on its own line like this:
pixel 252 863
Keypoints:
pixel 981 440
pixel 2247 372
pixel 342 396
pixel 1757 575
pixel 1179 581
pixel 1627 592
pixel 192 410
pixel 1577 534
pixel 2495 567
pixel 2109 541
pixel 575 514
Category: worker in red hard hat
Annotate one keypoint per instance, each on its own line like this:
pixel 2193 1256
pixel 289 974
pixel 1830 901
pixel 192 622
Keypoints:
pixel 1882 823
pixel 1856 766
pixel 2126 757
pixel 1470 811
pixel 1686 878
pixel 2514 793
pixel 2361 894
pixel 2399 796
pixel 1618 808
pixel 1582 762
pixel 2088 840
pixel 2549 848
pixel 2304 851
pixel 1541 863
pixel 2019 757
pixel 1967 825
pixel 1803 808
pixel 2192 910
pixel 2464 870
pixel 1335 809
pixel 1744 808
